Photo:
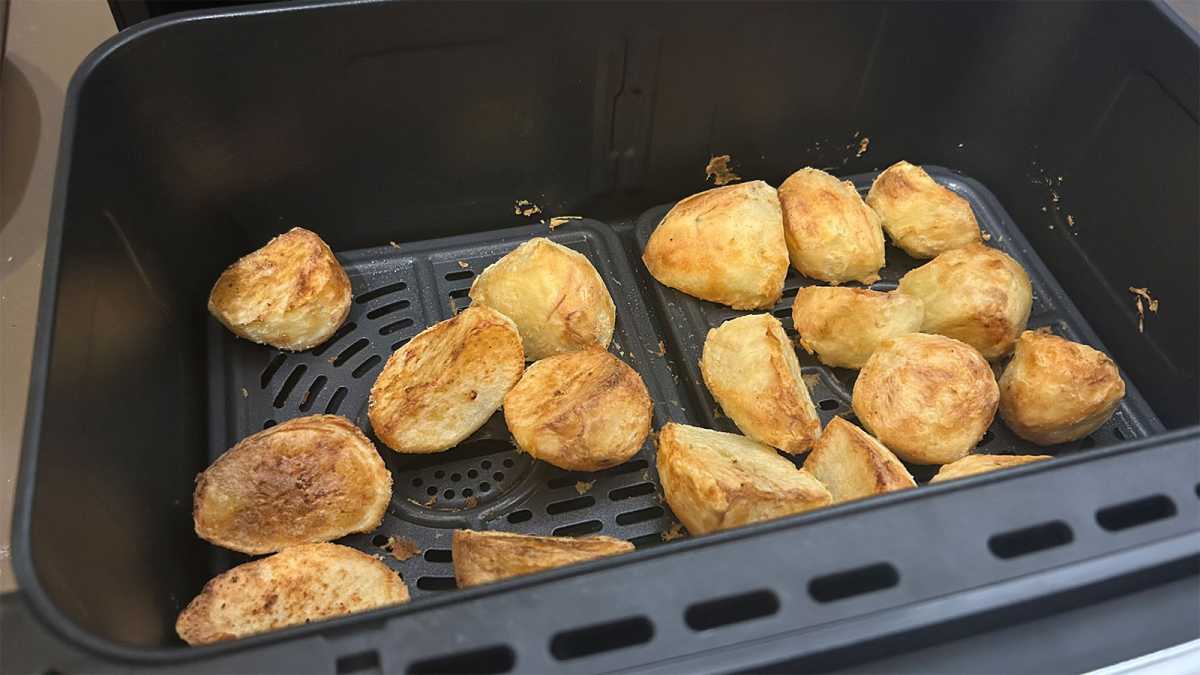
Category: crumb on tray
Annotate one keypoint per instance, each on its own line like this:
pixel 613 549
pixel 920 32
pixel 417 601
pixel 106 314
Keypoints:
pixel 1138 295
pixel 674 532
pixel 583 486
pixel 524 207
pixel 718 170
pixel 402 548
pixel 557 221
pixel 463 264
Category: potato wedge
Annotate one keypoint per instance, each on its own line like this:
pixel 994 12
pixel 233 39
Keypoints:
pixel 486 557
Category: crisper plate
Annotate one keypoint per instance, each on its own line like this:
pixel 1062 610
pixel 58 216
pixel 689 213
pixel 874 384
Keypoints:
pixel 483 483
pixel 687 321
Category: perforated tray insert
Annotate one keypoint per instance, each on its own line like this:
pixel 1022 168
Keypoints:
pixel 687 321
pixel 483 483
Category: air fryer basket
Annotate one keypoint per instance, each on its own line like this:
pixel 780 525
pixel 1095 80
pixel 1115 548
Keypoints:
pixel 405 135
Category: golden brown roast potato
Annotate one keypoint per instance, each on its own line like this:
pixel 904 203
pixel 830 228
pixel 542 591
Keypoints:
pixel 852 464
pixel 297 585
pixel 723 245
pixel 713 480
pixel 580 411
pixel 1056 391
pixel 442 385
pixel 291 294
pixel 973 464
pixel 921 216
pixel 484 557
pixel 554 295
pixel 831 234
pixel 751 369
pixel 928 398
pixel 974 294
pixel 307 480
pixel 843 326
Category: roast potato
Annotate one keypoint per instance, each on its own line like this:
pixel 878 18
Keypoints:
pixel 554 295
pixel 292 293
pixel 928 398
pixel 713 480
pixel 310 479
pixel 580 411
pixel 297 585
pixel 724 245
pixel 442 385
pixel 921 216
pixel 852 464
pixel 844 326
pixel 831 234
pixel 484 557
pixel 751 369
pixel 973 464
pixel 1057 391
pixel 974 294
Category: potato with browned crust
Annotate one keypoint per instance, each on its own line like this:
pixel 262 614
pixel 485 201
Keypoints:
pixel 844 326
pixel 553 294
pixel 442 385
pixel 714 481
pixel 486 557
pixel 307 480
pixel 974 294
pixel 928 398
pixel 831 234
pixel 920 215
pixel 580 411
pixel 976 464
pixel 723 245
pixel 295 586
pixel 852 464
pixel 1056 391
pixel 292 293
pixel 751 369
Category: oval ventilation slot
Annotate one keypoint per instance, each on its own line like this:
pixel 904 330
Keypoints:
pixel 730 610
pixel 335 401
pixel 395 326
pixel 629 491
pixel 579 529
pixel 460 274
pixel 1024 541
pixel 570 505
pixel 314 390
pixel 358 664
pixel 436 583
pixel 485 661
pixel 381 291
pixel 639 516
pixel 388 309
pixel 271 369
pixel 289 384
pixel 859 581
pixel 342 332
pixel 1135 513
pixel 437 555
pixel 350 351
pixel 603 637
pixel 366 366
pixel 520 516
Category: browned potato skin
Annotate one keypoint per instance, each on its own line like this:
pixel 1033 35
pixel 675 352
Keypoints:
pixel 974 294
pixel 928 398
pixel 298 585
pixel 852 464
pixel 751 369
pixel 486 557
pixel 831 234
pixel 292 293
pixel 1057 391
pixel 714 481
pixel 921 216
pixel 308 480
pixel 445 383
pixel 581 411
pixel 723 245
pixel 553 294
pixel 975 464
pixel 844 326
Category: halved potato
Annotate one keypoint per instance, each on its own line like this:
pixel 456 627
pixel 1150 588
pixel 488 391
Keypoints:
pixel 580 411
pixel 831 234
pixel 298 585
pixel 1056 391
pixel 852 464
pixel 485 557
pixel 292 293
pixel 713 480
pixel 310 479
pixel 928 398
pixel 442 385
pixel 724 245
pixel 553 294
pixel 974 294
pixel 751 369
pixel 844 326
pixel 973 464
pixel 920 215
